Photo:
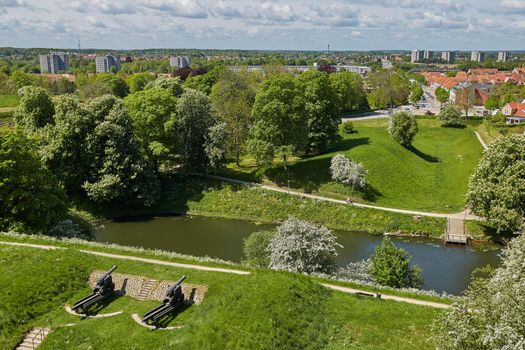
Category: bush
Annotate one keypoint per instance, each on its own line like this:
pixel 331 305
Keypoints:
pixel 402 127
pixel 299 246
pixel 348 127
pixel 255 252
pixel 348 172
pixel 451 116
pixel 391 267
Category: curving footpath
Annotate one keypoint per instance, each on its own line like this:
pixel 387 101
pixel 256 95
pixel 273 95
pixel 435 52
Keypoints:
pixel 238 272
pixel 464 215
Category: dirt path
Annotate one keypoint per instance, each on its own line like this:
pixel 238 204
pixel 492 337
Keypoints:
pixel 461 215
pixel 218 269
pixel 481 140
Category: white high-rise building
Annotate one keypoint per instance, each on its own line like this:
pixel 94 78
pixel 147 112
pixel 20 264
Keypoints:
pixel 105 64
pixel 477 56
pixel 448 56
pixel 427 54
pixel 503 56
pixel 416 56
pixel 54 62
pixel 180 61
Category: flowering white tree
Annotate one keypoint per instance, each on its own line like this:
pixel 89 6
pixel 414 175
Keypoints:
pixel 491 314
pixel 299 246
pixel 348 172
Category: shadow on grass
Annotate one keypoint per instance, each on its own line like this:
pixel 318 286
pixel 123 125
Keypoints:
pixel 100 306
pixel 427 157
pixel 166 321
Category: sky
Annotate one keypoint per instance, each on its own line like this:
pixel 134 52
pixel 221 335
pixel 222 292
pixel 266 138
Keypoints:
pixel 266 24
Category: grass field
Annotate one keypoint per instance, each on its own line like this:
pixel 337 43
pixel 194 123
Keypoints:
pixel 9 100
pixel 265 310
pixel 430 176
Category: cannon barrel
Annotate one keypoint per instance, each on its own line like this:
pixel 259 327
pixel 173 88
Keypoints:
pixel 105 275
pixel 174 286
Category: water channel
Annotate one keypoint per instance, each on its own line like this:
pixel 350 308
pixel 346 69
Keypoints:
pixel 445 268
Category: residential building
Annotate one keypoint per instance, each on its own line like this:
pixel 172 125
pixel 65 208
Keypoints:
pixel 180 61
pixel 416 56
pixel 477 56
pixel 515 112
pixel 503 56
pixel 427 55
pixel 106 64
pixel 54 62
pixel 448 56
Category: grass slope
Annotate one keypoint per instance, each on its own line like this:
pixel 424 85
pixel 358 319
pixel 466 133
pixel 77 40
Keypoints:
pixel 265 310
pixel 430 176
pixel 9 100
pixel 215 198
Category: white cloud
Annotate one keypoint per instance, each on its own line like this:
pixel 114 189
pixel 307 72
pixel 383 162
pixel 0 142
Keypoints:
pixel 177 8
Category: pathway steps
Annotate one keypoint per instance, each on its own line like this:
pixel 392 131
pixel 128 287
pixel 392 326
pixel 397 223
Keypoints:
pixel 146 288
pixel 33 339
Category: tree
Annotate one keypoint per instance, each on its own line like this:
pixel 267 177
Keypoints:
pixel 322 110
pixel 280 120
pixel 490 314
pixel 391 267
pixel 194 120
pixel 119 173
pixel 299 246
pixel 451 116
pixel 464 101
pixel 402 127
pixel 215 145
pixel 492 103
pixel 416 93
pixel 173 85
pixel 442 95
pixel 204 82
pixel 497 188
pixel 36 108
pixel 348 172
pixel 350 92
pixel 389 88
pixel 138 81
pixel 93 89
pixel 118 86
pixel 232 98
pixel 153 112
pixel 31 198
pixel 255 249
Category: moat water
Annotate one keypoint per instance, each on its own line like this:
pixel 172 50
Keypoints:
pixel 445 268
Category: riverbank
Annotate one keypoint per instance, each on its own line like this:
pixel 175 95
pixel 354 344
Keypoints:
pixel 291 310
pixel 209 197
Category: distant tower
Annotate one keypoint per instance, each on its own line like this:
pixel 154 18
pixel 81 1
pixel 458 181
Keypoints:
pixel 78 41
pixel 328 51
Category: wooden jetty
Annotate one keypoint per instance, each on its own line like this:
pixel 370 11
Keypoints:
pixel 455 232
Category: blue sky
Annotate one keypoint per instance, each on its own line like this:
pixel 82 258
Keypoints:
pixel 268 24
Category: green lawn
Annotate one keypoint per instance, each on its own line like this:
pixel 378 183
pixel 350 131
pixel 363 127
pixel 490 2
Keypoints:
pixel 265 310
pixel 9 100
pixel 430 176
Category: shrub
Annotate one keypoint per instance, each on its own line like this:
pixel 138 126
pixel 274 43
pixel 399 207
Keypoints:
pixel 348 172
pixel 348 127
pixel 255 252
pixel 299 246
pixel 451 116
pixel 391 267
pixel 402 127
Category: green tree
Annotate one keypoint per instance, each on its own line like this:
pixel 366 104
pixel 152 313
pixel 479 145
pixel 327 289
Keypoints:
pixel 36 108
pixel 92 89
pixel 255 249
pixel 451 116
pixel 232 99
pixel 492 102
pixel 118 85
pixel 215 145
pixel 280 119
pixel 497 188
pixel 391 267
pixel 153 112
pixel 322 110
pixel 490 313
pixel 194 121
pixel 204 82
pixel 138 81
pixel 31 199
pixel 389 88
pixel 416 93
pixel 442 95
pixel 173 85
pixel 402 127
pixel 350 91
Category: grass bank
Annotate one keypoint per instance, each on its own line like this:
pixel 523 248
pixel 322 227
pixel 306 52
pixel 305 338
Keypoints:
pixel 215 198
pixel 9 100
pixel 264 310
pixel 430 176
